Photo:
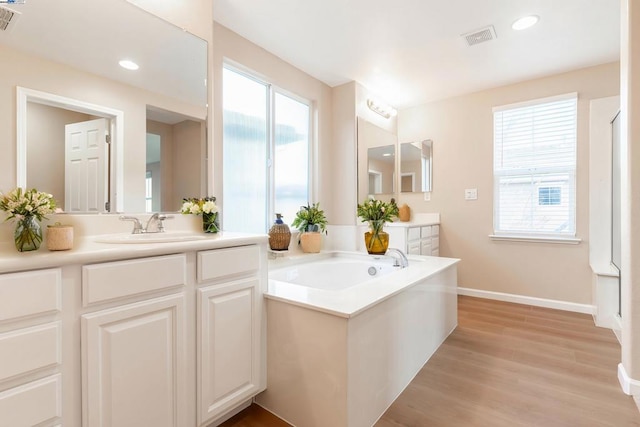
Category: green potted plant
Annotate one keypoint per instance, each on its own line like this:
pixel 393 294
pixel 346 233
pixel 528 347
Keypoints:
pixel 310 222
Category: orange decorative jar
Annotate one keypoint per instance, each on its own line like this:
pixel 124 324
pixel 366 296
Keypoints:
pixel 376 240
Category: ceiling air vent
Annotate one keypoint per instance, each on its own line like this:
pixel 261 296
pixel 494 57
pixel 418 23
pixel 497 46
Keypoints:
pixel 479 36
pixel 8 18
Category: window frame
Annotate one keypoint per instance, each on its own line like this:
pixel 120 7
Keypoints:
pixel 570 171
pixel 272 90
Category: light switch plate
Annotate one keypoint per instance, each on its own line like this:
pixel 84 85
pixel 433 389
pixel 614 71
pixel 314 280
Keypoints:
pixel 471 194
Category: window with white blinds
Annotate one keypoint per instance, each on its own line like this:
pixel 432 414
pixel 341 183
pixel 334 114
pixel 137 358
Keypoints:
pixel 534 168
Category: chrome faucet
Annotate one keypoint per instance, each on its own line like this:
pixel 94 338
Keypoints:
pixel 401 260
pixel 154 224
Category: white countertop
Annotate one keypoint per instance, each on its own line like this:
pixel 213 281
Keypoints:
pixel 349 302
pixel 87 250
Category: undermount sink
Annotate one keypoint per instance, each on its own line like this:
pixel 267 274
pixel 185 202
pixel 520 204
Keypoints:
pixel 166 237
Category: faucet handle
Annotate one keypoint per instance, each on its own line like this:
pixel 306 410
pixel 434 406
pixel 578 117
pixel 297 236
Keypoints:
pixel 162 217
pixel 155 224
pixel 137 225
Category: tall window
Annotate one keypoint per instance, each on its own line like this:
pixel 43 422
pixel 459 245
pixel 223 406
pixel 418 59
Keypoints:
pixel 534 168
pixel 265 153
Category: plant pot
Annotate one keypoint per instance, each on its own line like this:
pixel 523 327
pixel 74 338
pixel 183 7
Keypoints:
pixel 27 235
pixel 310 242
pixel 376 241
pixel 210 222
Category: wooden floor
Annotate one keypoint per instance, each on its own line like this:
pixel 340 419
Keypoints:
pixel 509 365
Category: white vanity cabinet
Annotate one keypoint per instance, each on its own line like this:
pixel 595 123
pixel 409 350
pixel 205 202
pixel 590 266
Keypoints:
pixel 230 332
pixel 166 335
pixel 30 348
pixel 134 367
pixel 415 239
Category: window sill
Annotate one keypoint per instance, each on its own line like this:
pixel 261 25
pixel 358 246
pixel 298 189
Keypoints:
pixel 535 239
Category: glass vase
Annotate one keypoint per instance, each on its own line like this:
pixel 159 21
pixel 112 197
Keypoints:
pixel 210 222
pixel 28 234
pixel 376 240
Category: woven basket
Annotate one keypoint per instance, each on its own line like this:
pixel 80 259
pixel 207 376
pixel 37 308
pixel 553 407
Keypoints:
pixel 279 237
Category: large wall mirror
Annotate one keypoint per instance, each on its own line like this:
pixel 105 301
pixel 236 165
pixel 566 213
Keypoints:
pixel 376 160
pixel 75 60
pixel 416 160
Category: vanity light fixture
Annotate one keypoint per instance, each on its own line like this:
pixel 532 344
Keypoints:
pixel 128 64
pixel 525 22
pixel 381 108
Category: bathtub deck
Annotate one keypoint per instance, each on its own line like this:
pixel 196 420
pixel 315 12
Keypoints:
pixel 509 364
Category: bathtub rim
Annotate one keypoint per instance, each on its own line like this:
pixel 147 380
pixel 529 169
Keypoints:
pixel 354 300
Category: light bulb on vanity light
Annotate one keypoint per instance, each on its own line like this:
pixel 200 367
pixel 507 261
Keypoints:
pixel 381 108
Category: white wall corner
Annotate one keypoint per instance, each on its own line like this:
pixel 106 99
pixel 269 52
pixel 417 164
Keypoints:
pixel 522 299
pixel 628 384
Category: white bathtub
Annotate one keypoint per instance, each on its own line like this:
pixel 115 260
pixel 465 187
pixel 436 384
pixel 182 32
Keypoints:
pixel 337 271
pixel 342 345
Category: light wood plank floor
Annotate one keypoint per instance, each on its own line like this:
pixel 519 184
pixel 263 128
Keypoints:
pixel 508 365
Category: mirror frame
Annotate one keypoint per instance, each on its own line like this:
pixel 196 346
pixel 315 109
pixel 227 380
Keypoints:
pixel 25 95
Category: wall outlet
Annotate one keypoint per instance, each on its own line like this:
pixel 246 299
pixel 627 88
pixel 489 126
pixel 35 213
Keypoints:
pixel 471 194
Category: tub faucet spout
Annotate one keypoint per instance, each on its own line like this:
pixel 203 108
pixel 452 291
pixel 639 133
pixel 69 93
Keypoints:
pixel 401 260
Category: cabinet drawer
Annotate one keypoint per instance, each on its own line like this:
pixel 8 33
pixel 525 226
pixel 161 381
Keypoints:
pixel 226 262
pixel 29 293
pixel 413 248
pixel 435 242
pixel 435 230
pixel 28 349
pixel 425 231
pixel 413 233
pixel 32 403
pixel 114 280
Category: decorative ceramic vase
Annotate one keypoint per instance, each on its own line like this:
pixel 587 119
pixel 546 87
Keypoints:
pixel 404 213
pixel 210 222
pixel 376 240
pixel 28 234
pixel 279 235
pixel 310 242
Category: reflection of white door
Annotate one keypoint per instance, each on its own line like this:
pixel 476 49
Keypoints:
pixel 375 182
pixel 86 166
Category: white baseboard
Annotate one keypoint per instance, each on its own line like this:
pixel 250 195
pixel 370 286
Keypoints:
pixel 628 384
pixel 521 299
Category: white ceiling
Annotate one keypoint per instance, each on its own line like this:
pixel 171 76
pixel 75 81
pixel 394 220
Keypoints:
pixel 409 52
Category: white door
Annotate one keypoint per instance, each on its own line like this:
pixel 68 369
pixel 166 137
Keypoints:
pixel 228 347
pixel 134 368
pixel 86 166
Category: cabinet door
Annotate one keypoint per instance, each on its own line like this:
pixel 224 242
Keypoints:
pixel 413 248
pixel 425 247
pixel 134 368
pixel 228 346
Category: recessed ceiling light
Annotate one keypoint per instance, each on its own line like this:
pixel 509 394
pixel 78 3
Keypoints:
pixel 129 65
pixel 525 22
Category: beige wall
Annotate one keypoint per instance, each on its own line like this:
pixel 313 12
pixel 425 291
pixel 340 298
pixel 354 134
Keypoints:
pixel 187 161
pixel 230 46
pixel 163 177
pixel 182 161
pixel 462 132
pixel 630 148
pixel 349 104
